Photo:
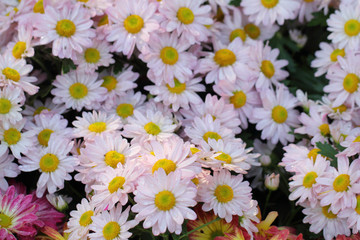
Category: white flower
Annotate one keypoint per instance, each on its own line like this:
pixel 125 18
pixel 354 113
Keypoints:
pixel 8 169
pixel 11 100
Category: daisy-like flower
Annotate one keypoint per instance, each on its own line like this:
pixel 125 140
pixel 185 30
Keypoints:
pixel 10 100
pixel 40 107
pixel 269 11
pixel 96 7
pixel 96 123
pixel 178 96
pixel 77 90
pixel 22 45
pixel 226 195
pixel 17 215
pixel 276 116
pixel 307 8
pixel 186 17
pixel 133 23
pixel 352 215
pixel 341 112
pixel 17 141
pixel 164 201
pixel 93 57
pixel 15 72
pixel 53 163
pixel 352 143
pixel 226 63
pixel 344 26
pixel 7 169
pixel 167 58
pixel 260 31
pixel 69 30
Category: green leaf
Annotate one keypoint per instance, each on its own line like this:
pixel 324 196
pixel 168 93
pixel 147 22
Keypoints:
pixel 327 150
pixel 67 65
pixel 235 2
pixel 318 20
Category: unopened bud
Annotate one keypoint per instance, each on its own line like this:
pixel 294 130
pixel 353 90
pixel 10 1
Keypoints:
pixel 265 160
pixel 272 181
pixel 60 202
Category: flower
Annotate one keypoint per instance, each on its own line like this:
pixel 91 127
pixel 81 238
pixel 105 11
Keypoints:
pixel 8 168
pixel 22 46
pixel 11 99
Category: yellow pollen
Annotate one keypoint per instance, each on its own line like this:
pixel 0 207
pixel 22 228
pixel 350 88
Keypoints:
pixel 112 158
pixel 12 136
pixel 78 90
pixel 357 139
pixel 5 221
pixel 178 88
pixel 194 150
pixel 341 183
pixel 40 109
pixel 103 21
pixel 308 1
pixel 111 230
pixel 341 108
pixel 18 49
pixel 83 1
pixel 169 55
pixel 238 99
pixel 166 164
pixel 49 163
pixel 11 74
pixel 351 83
pixel 224 57
pixel 267 68
pixel 352 27
pixel 324 129
pixel 224 157
pixel 125 110
pixel 237 33
pixel 212 135
pixel 85 219
pixel 279 114
pixel 165 200
pixel 357 208
pixel 115 184
pixel 39 7
pixel 65 28
pixel 152 128
pixel 269 3
pixel 309 179
pixel 196 181
pixel 44 136
pixel 224 193
pixel 133 24
pixel 5 106
pixel 252 30
pixel 97 127
pixel 92 55
pixel 313 153
pixel 336 53
pixel 109 83
pixel 327 213
pixel 185 15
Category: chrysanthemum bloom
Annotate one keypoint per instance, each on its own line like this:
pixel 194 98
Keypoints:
pixel 276 116
pixel 22 45
pixel 39 107
pixel 186 17
pixel 69 29
pixel 94 124
pixel 344 26
pixel 15 72
pixel 164 201
pixel 225 63
pixel 10 99
pixel 96 7
pixel 307 8
pixel 53 162
pixel 112 225
pixel 17 214
pixel 77 90
pixel 133 22
pixel 352 143
pixel 269 11
pixel 226 195
pixel 167 58
pixel 294 156
pixel 342 112
pixel 8 169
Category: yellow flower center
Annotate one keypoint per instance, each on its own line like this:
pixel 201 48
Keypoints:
pixel 39 7
pixel 185 15
pixel 224 193
pixel 166 164
pixel 97 127
pixel 212 135
pixel 116 183
pixel 357 208
pixel 238 99
pixel 351 83
pixel 40 109
pixel 133 24
pixel 109 83
pixel 103 21
pixel 357 139
pixel 12 136
pixel 341 183
pixel 178 88
pixel 224 157
pixel 49 162
pixel 196 181
pixel 44 136
pixel 11 74
pixel 279 114
pixel 5 106
pixel 65 28
pixel 152 128
pixel 313 153
pixel 224 57
pixel 308 1
pixel 267 68
pixel 252 30
pixel 83 1
pixel 165 200
pixel 5 221
pixel 324 129
pixel 125 110
pixel 18 49
pixel 341 108
pixel 85 219
pixel 269 3
pixel 92 55
pixel 111 230
pixel 169 55
pixel 238 33
pixel 352 27
pixel 309 179
pixel 336 53
pixel 112 158
pixel 78 90
pixel 194 150
pixel 327 213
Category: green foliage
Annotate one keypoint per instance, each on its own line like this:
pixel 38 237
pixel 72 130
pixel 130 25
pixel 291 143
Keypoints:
pixel 235 2
pixel 329 151
pixel 67 65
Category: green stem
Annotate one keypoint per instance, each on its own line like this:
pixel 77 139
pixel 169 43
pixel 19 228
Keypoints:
pixel 198 228
pixel 42 66
pixel 266 202
pixel 131 200
pixel 165 236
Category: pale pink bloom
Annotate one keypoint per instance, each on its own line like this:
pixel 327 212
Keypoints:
pixel 307 8
pixel 352 216
pixel 39 107
pixel 95 7
pixel 8 169
pixel 295 155
pixel 11 99
pixel 341 112
pixel 352 143
pixel 22 44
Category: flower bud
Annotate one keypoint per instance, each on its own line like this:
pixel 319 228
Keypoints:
pixel 272 181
